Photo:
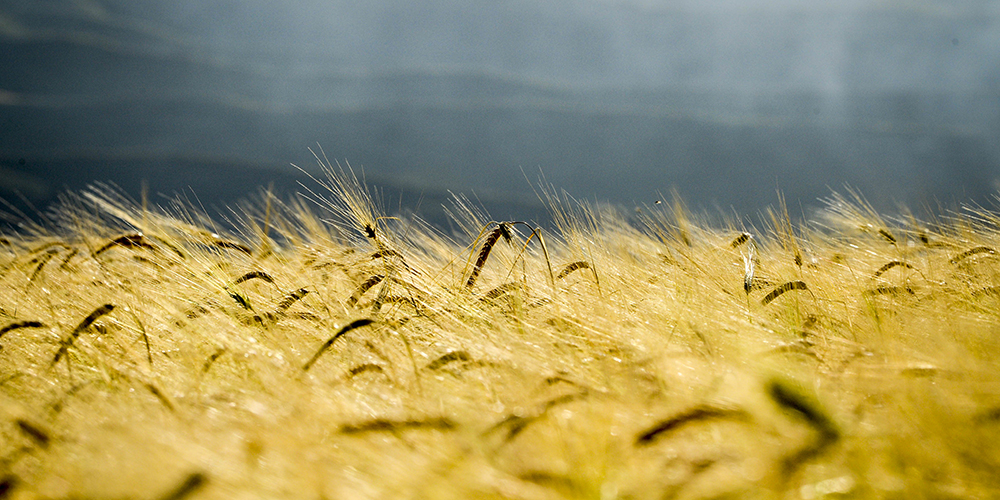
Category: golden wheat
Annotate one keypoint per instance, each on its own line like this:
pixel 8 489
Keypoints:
pixel 214 363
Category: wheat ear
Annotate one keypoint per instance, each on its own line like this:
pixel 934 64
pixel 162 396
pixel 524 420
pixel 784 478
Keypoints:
pixel 972 251
pixel 89 320
pixel 358 323
pixel 696 414
pixel 791 285
pixel 484 252
pixel 134 240
pixel 21 324
pixel 889 266
pixel 573 266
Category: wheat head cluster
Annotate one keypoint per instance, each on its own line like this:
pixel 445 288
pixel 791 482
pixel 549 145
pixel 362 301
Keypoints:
pixel 317 347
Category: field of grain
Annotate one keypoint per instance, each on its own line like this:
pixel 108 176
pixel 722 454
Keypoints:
pixel 326 349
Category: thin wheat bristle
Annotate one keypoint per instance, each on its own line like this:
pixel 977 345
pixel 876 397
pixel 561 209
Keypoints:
pixel 169 244
pixel 536 232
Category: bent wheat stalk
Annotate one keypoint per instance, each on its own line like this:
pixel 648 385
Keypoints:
pixel 537 232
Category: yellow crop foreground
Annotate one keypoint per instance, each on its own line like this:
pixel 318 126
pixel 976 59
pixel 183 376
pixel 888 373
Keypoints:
pixel 326 350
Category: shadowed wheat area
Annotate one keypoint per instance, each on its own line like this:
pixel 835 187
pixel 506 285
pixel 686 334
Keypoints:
pixel 327 350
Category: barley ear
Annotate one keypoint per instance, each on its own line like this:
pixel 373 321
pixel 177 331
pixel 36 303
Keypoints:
pixel 777 292
pixel 358 323
pixel 484 252
pixel 89 320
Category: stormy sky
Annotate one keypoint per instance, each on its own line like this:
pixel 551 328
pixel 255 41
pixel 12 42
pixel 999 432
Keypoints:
pixel 724 101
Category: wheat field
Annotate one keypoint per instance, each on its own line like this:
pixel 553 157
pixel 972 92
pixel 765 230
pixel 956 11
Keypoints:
pixel 317 347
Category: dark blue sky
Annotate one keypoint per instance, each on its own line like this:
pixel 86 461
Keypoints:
pixel 726 100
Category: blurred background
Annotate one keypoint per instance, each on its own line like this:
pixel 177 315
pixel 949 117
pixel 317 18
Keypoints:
pixel 726 101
